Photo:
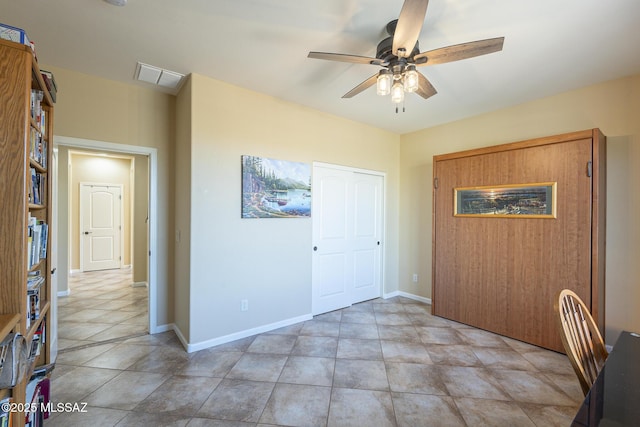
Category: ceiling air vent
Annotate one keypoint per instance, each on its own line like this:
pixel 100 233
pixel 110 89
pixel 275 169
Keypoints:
pixel 158 76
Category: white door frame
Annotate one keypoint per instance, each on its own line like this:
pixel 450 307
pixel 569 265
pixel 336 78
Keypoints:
pixel 53 348
pixel 82 225
pixel 384 212
pixel 152 153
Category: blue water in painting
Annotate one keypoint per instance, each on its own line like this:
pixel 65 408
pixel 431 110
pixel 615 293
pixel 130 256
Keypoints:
pixel 298 201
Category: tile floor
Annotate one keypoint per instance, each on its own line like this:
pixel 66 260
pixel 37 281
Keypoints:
pixel 101 306
pixel 377 363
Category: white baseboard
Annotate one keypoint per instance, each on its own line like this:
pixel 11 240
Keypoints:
pixel 76 271
pixel 191 347
pixel 391 295
pixel 164 328
pixel 64 293
pixel 415 297
pixel 238 335
pixel 407 295
pixel 139 285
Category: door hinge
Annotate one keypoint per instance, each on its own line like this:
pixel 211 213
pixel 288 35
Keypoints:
pixel 589 168
pixel 120 197
pixel 119 258
pixel 149 253
pixel 435 182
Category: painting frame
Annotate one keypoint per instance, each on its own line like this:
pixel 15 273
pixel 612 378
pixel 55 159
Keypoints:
pixel 274 188
pixel 531 200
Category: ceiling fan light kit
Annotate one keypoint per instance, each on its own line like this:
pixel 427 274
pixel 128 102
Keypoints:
pixel 383 85
pixel 397 92
pixel 410 79
pixel 399 55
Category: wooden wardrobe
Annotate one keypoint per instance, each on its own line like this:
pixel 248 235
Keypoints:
pixel 502 273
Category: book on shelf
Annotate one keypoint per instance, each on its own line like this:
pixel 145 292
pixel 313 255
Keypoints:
pixel 37 237
pixel 37 190
pixel 33 298
pixel 34 281
pixel 38 114
pixel 50 82
pixel 37 147
pixel 33 305
pixel 5 414
pixel 36 396
pixel 29 249
pixel 14 34
pixel 32 193
pixel 36 231
pixel 36 343
pixel 42 121
pixel 14 367
pixel 4 350
pixel 36 104
pixel 44 236
pixel 50 79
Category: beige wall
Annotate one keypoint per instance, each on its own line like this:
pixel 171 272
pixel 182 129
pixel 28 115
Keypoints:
pixel 93 108
pixel 88 168
pixel 233 258
pixel 614 107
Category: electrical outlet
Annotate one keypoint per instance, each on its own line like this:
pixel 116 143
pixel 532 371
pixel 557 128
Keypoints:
pixel 244 305
pixel 415 277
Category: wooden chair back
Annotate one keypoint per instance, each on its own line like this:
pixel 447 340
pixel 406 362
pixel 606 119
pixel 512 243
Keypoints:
pixel 581 338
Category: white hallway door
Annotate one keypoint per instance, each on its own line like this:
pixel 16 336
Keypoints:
pixel 347 215
pixel 100 226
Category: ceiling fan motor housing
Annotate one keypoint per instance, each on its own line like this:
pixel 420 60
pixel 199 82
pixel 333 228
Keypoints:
pixel 384 51
pixel 385 47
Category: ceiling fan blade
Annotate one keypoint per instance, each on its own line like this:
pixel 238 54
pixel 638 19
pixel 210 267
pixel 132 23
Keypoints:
pixel 425 88
pixel 345 58
pixel 362 86
pixel 459 51
pixel 409 25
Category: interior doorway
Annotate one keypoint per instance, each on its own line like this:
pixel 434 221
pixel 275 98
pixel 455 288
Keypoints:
pixel 101 302
pixel 138 263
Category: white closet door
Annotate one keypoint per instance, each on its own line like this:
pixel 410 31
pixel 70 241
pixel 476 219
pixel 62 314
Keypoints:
pixel 347 220
pixel 367 236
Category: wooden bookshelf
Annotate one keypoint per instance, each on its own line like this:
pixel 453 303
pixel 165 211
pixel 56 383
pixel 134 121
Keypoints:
pixel 26 142
pixel 7 323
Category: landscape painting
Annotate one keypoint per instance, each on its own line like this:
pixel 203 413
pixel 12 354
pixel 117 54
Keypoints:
pixel 514 201
pixel 275 188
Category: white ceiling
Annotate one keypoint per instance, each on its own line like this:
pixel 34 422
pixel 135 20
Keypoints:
pixel 550 47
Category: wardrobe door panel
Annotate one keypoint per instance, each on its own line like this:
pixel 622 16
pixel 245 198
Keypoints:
pixel 502 273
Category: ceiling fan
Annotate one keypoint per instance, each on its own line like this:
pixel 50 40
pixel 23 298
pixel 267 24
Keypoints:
pixel 399 55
